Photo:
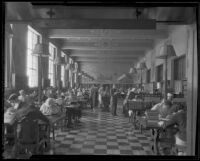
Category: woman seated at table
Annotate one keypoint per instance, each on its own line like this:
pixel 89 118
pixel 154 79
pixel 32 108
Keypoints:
pixel 50 107
pixel 60 102
pixel 179 119
pixel 22 97
pixel 34 96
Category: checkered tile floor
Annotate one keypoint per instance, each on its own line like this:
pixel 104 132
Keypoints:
pixel 100 133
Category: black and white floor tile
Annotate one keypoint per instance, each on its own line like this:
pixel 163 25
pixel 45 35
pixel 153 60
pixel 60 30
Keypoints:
pixel 100 133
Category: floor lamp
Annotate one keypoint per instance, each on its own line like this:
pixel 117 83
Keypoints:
pixel 42 51
pixel 132 71
pixel 141 66
pixel 166 51
pixel 58 61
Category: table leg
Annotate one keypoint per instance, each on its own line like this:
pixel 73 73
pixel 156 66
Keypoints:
pixel 53 130
pixel 141 128
pixel 156 138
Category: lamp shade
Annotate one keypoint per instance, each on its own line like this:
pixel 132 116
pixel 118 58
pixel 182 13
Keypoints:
pixel 57 61
pixel 8 29
pixel 166 51
pixel 132 71
pixel 62 61
pixel 141 65
pixel 67 66
pixel 41 50
pixel 71 67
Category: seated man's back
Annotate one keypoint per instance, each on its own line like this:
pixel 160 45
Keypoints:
pixel 31 112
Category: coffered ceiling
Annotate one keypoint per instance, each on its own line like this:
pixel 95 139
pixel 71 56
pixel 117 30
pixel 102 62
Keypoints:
pixel 101 34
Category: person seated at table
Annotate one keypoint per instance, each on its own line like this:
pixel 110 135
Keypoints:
pixel 19 110
pixel 32 113
pixel 180 120
pixel 34 96
pixel 79 93
pixel 7 104
pixel 164 109
pixel 9 114
pixel 158 105
pixel 22 97
pixel 60 102
pixel 50 107
pixel 58 94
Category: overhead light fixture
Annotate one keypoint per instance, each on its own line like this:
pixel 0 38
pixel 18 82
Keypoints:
pixel 141 66
pixel 166 51
pixel 41 50
pixel 132 71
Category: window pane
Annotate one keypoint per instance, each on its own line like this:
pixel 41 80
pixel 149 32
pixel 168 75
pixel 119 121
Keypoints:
pixel 29 40
pixel 32 61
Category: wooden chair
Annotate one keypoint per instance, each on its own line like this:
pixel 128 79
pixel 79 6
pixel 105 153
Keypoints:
pixel 8 133
pixel 27 138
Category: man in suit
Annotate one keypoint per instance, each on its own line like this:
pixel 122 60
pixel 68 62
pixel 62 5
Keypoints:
pixel 93 97
pixel 114 96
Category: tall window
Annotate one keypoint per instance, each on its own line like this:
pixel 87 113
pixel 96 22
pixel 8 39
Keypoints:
pixel 70 72
pixel 160 73
pixel 75 75
pixel 52 51
pixel 32 61
pixel 63 69
pixel 180 68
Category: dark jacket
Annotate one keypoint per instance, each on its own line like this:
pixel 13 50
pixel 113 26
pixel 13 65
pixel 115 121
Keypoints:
pixel 31 112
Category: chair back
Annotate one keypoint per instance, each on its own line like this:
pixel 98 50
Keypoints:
pixel 136 105
pixel 27 131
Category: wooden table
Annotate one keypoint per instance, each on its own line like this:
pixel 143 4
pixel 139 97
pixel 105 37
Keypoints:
pixel 54 119
pixel 70 110
pixel 137 106
pixel 82 102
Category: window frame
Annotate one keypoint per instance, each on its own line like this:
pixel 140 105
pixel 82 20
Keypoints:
pixel 32 60
pixel 180 66
pixel 51 70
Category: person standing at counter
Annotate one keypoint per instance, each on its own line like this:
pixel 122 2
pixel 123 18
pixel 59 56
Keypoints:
pixel 100 96
pixel 113 101
pixel 106 99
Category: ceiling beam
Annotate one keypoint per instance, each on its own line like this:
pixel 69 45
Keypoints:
pixel 107 48
pixel 105 56
pixel 105 60
pixel 141 24
pixel 103 52
pixel 82 63
pixel 108 44
pixel 108 33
